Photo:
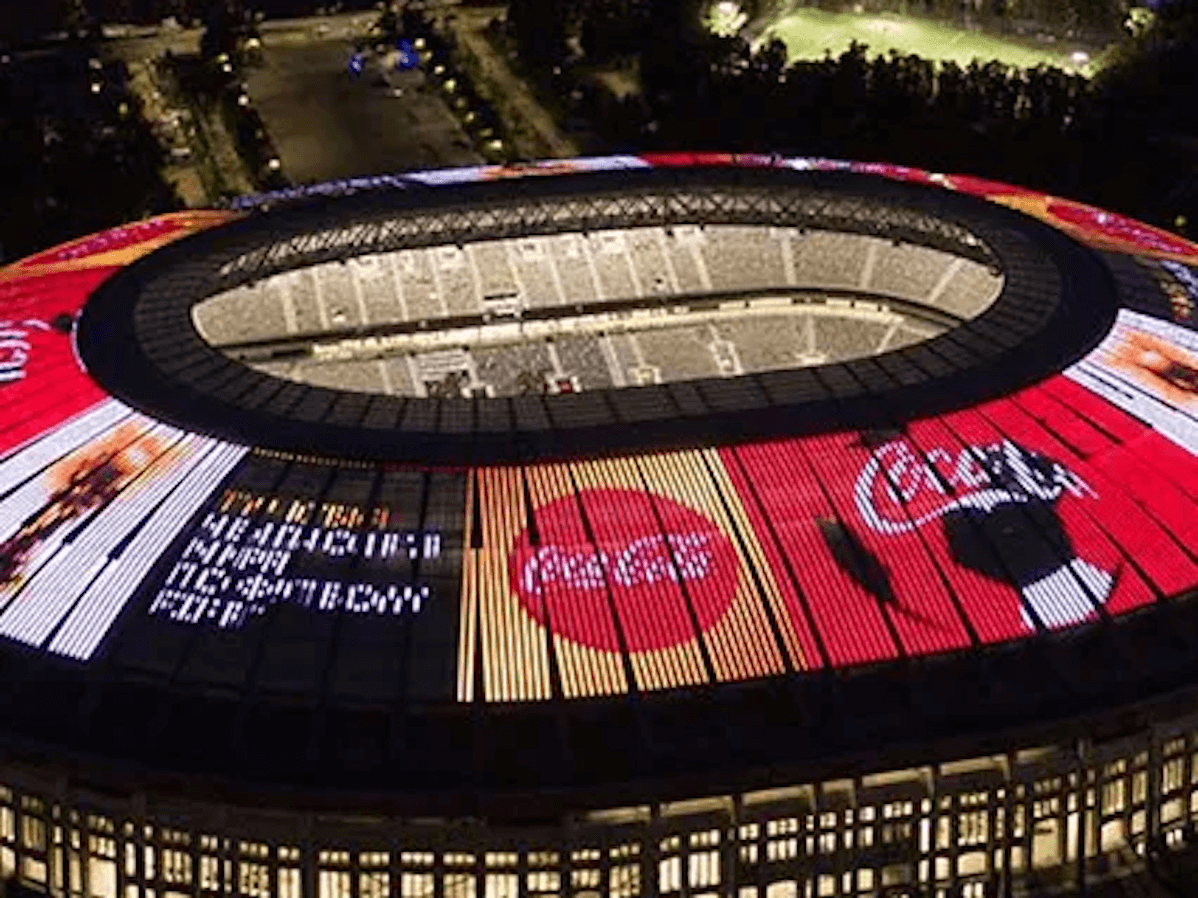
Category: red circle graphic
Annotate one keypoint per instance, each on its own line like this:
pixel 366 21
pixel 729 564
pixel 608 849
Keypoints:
pixel 649 555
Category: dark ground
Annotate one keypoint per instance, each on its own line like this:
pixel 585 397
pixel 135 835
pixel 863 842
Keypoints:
pixel 327 125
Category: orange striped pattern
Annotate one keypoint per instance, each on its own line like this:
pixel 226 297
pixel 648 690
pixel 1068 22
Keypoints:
pixel 790 621
pixel 515 659
pixel 585 671
pixel 741 642
pixel 468 617
pixel 677 665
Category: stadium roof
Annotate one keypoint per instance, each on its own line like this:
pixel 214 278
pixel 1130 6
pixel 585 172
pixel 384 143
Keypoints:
pixel 471 605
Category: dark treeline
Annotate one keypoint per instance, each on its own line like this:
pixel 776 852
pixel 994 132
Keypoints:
pixel 1111 141
pixel 77 156
pixel 612 29
pixel 723 95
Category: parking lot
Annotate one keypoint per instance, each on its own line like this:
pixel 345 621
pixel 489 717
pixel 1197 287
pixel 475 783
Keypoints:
pixel 327 124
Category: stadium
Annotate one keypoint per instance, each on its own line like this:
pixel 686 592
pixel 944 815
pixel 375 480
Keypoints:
pixel 663 525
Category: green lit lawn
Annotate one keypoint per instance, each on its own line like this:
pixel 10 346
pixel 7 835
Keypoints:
pixel 808 32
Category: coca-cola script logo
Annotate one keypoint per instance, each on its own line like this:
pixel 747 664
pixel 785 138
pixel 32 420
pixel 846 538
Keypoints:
pixel 18 340
pixel 899 491
pixel 646 575
pixel 997 505
pixel 15 347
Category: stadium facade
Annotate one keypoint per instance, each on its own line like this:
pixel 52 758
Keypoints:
pixel 674 525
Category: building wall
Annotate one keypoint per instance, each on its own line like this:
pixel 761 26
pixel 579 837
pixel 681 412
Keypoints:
pixel 1038 818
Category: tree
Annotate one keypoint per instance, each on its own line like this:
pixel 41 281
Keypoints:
pixel 540 29
pixel 1151 79
pixel 224 26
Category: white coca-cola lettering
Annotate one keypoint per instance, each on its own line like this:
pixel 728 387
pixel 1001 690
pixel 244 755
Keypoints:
pixel 896 478
pixel 648 560
pixel 15 347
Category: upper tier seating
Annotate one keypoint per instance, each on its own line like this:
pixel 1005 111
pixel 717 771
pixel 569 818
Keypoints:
pixel 911 272
pixel 743 257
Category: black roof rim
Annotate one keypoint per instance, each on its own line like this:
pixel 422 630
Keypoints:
pixel 114 345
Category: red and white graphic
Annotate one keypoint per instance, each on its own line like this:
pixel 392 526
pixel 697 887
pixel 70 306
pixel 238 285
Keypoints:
pixel 894 536
pixel 42 384
pixel 71 490
pixel 543 168
pixel 898 491
pixel 898 172
pixel 992 500
pixel 15 346
pixel 1148 368
pixel 1120 232
pixel 630 570
pixel 1098 228
pixel 118 246
pixel 986 188
pixel 645 562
